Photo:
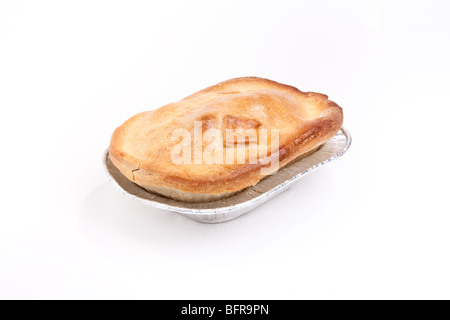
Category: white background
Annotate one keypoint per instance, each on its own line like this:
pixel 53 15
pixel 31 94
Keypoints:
pixel 373 224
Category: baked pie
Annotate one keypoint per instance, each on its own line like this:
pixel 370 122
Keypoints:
pixel 222 139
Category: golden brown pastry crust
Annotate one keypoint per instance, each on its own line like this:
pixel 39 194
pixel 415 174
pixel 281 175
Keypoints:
pixel 141 147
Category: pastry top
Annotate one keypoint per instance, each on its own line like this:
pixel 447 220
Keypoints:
pixel 142 147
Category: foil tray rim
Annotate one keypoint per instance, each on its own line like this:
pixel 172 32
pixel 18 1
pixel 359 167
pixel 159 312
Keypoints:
pixel 238 206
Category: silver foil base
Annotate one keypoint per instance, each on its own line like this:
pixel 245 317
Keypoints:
pixel 244 201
